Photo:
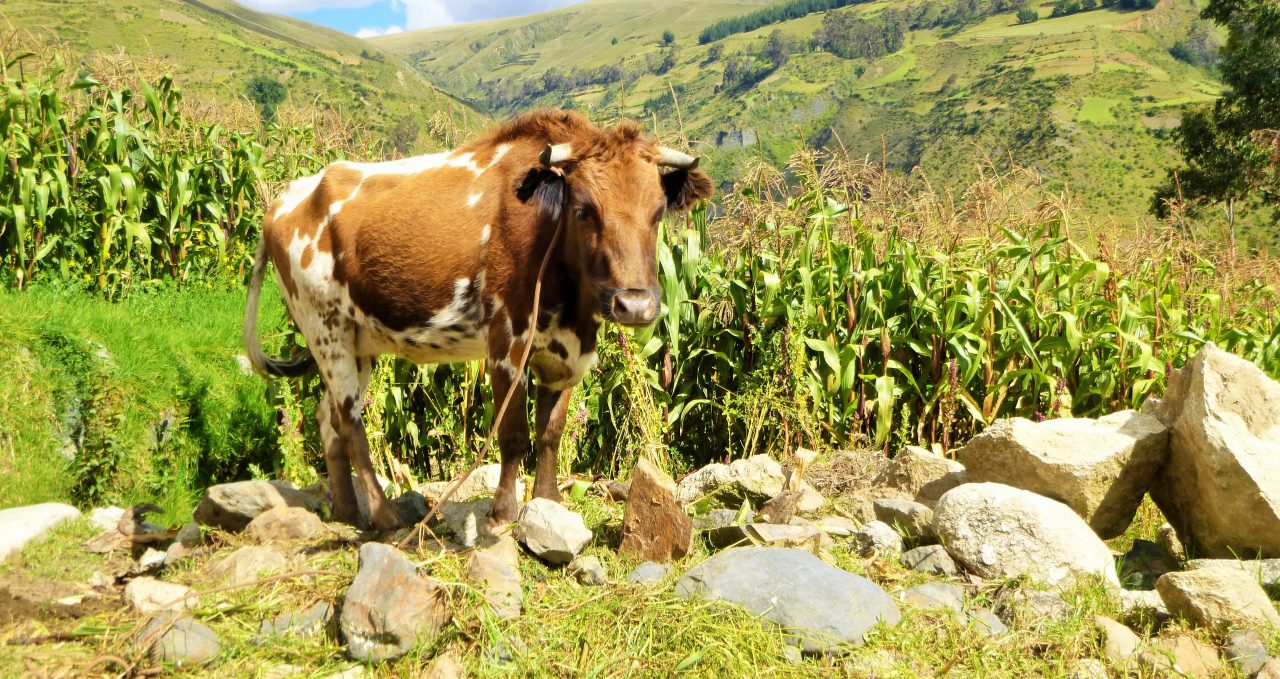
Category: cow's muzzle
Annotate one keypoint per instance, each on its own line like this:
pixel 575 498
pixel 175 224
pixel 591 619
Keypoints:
pixel 631 306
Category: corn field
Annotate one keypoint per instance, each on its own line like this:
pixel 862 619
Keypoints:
pixel 830 305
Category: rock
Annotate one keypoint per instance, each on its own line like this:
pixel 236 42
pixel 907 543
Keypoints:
pixel 649 573
pixel 445 667
pixel 308 622
pixel 187 539
pixel 987 622
pixel 878 537
pixel 1217 598
pixel 715 518
pixel 588 570
pixel 618 491
pixel 728 536
pixel 1180 656
pixel 1246 651
pixel 913 519
pixel 654 526
pixel 921 475
pixel 353 672
pixel 283 671
pixel 148 595
pixel 1031 608
pixel 774 535
pixel 1270 669
pixel 1099 468
pixel 757 479
pixel 1266 571
pixel 285 523
pixel 1172 546
pixel 780 509
pixel 837 526
pixel 151 561
pixel 178 639
pixel 231 506
pixel 105 518
pixel 1143 564
pixel 551 531
pixel 934 596
pixel 1089 668
pixel 465 521
pixel 249 563
pixel 816 604
pixel 411 507
pixel 495 567
pixel 1134 602
pixel 483 481
pixel 931 559
pixel 1119 643
pixel 997 532
pixel 21 525
pixel 1221 486
pixel 389 606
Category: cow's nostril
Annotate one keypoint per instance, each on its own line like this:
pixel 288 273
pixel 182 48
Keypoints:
pixel 635 307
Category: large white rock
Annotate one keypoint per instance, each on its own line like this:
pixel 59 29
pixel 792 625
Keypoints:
pixel 1221 485
pixel 21 525
pixel 998 531
pixel 1099 468
pixel 920 475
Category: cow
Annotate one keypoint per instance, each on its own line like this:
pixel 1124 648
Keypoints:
pixel 434 258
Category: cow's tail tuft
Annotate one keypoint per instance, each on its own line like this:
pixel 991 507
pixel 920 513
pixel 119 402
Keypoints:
pixel 257 358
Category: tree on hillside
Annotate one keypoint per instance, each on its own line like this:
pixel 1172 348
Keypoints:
pixel 668 38
pixel 1027 14
pixel 1232 149
pixel 778 49
pixel 266 93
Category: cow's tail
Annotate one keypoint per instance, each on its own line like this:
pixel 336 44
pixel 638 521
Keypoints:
pixel 257 358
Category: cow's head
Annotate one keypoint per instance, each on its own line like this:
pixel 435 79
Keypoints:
pixel 611 190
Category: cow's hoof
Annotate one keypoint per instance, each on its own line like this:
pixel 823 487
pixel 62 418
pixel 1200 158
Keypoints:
pixel 385 522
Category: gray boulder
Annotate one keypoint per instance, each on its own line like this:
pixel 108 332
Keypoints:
pixel 914 519
pixel 934 596
pixel 495 568
pixel 1265 571
pixel 1221 485
pixel 285 523
pixel 588 570
pixel 550 531
pixel 231 506
pixel 920 475
pixel 818 606
pixel 148 595
pixel 649 573
pixel 1099 468
pixel 1217 599
pixel 483 481
pixel 465 521
pixel 998 531
pixel 878 537
pixel 1246 651
pixel 177 638
pixel 931 559
pixel 390 606
pixel 249 563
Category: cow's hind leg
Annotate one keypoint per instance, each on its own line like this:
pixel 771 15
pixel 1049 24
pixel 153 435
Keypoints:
pixel 347 392
pixel 513 430
pixel 345 509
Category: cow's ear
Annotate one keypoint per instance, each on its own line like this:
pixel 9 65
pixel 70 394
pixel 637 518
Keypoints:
pixel 545 189
pixel 685 187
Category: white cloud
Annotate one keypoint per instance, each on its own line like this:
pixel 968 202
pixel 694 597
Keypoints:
pixel 305 5
pixel 426 13
pixel 375 32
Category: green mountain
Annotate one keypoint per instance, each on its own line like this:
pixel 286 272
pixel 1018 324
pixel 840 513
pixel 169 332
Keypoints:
pixel 217 47
pixel 1087 99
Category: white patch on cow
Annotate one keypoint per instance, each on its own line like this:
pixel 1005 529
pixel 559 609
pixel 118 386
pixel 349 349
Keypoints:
pixel 553 370
pixel 299 190
pixel 484 235
pixel 473 199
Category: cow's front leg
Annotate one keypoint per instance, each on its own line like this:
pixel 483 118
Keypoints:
pixel 513 438
pixel 553 406
pixel 349 420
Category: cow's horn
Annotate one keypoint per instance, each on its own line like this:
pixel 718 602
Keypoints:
pixel 556 154
pixel 673 158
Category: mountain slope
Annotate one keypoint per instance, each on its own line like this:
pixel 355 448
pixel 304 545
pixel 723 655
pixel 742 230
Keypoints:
pixel 1087 99
pixel 216 47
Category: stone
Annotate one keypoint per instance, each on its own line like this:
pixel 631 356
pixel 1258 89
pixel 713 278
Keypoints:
pixel 878 537
pixel 552 532
pixel 774 535
pixel 105 518
pixel 1119 643
pixel 934 596
pixel 353 672
pixel 283 671
pixel 921 475
pixel 1220 488
pixel 466 521
pixel 931 559
pixel 311 621
pixel 1270 669
pixel 22 525
pixel 412 507
pixel 715 518
pixel 1031 608
pixel 912 519
pixel 1142 601
pixel 1180 656
pixel 1089 668
pixel 483 481
pixel 1168 538
pixel 588 570
pixel 248 564
pixel 285 523
pixel 757 479
pixel 814 603
pixel 231 506
pixel 649 573
pixel 187 540
pixel 836 526
pixel 495 568
pixel 1217 598
pixel 728 536
pixel 654 526
pixel 1246 651
pixel 998 532
pixel 148 595
pixel 987 622
pixel 390 606
pixel 1143 564
pixel 1265 571
pixel 178 639
pixel 445 667
pixel 1099 468
pixel 151 561
pixel 618 491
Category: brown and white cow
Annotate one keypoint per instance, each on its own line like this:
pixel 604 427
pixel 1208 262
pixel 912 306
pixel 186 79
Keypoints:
pixel 434 259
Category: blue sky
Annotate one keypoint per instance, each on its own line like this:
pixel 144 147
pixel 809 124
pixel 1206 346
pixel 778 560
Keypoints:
pixel 368 18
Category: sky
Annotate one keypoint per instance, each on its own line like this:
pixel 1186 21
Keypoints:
pixel 368 18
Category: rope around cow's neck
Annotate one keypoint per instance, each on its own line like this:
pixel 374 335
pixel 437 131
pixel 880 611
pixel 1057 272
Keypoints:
pixel 511 389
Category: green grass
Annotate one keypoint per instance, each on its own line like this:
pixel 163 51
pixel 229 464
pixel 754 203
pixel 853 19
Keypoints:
pixel 1097 110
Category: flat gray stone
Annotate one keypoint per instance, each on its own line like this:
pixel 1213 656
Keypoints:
pixel 588 570
pixel 308 622
pixel 21 525
pixel 931 559
pixel 878 537
pixel 985 621
pixel 818 606
pixel 1246 651
pixel 933 596
pixel 715 518
pixel 178 639
pixel 495 568
pixel 913 519
pixel 649 573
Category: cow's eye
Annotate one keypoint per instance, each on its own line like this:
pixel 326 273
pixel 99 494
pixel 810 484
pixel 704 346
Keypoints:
pixel 583 213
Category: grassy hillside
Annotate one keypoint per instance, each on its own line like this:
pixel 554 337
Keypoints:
pixel 1087 99
pixel 215 47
